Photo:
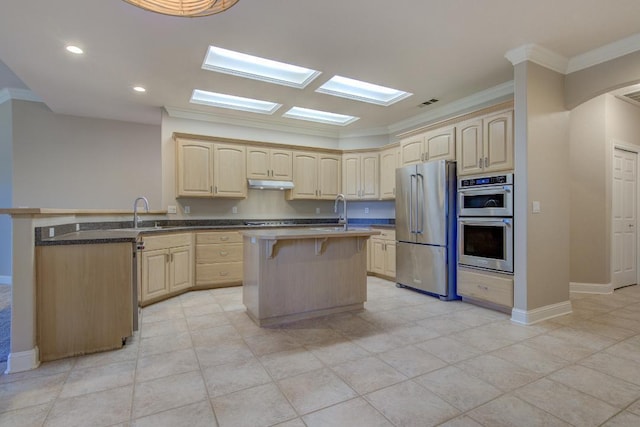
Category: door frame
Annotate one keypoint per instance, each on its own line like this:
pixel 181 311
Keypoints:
pixel 620 145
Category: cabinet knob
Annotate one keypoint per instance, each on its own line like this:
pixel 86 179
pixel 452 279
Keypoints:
pixel 224 238
pixel 224 253
pixel 486 162
pixel 224 273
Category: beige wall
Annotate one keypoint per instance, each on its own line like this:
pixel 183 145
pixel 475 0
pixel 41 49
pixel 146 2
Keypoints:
pixel 6 182
pixel 65 161
pixel 580 86
pixel 590 262
pixel 547 181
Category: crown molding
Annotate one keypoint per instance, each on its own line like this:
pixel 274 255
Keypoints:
pixel 478 99
pixel 18 94
pixel 182 113
pixel 540 55
pixel 605 53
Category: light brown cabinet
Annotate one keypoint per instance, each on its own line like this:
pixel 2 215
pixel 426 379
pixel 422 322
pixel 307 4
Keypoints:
pixel 436 144
pixel 218 258
pixel 389 161
pixel 316 175
pixel 166 266
pixel 383 254
pixel 486 286
pixel 269 163
pixel 485 144
pixel 360 176
pixel 210 169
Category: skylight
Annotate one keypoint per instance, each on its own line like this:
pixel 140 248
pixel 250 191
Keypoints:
pixel 362 91
pixel 233 102
pixel 319 116
pixel 254 67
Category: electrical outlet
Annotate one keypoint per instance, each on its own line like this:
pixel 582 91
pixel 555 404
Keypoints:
pixel 52 232
pixel 317 210
pixel 366 210
pixel 172 209
pixel 187 209
pixel 535 206
pixel 77 227
pixel 234 210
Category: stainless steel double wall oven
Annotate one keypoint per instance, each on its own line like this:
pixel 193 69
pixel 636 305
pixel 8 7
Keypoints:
pixel 485 222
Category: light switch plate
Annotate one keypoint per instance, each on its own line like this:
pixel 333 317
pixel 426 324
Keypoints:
pixel 366 210
pixel 535 206
pixel 52 232
pixel 77 227
pixel 317 210
pixel 234 210
pixel 172 209
pixel 187 209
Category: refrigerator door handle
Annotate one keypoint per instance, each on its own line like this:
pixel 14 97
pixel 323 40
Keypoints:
pixel 411 192
pixel 419 204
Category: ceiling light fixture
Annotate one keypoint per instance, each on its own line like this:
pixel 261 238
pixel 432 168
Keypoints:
pixel 74 49
pixel 139 89
pixel 319 116
pixel 362 91
pixel 233 102
pixel 185 8
pixel 257 68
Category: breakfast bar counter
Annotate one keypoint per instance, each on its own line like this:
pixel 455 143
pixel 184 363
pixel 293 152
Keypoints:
pixel 295 274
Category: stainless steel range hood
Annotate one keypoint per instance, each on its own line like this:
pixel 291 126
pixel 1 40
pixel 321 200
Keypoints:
pixel 263 184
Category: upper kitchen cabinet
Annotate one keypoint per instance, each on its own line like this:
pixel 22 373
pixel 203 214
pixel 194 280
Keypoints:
pixel 437 144
pixel 210 169
pixel 389 161
pixel 269 163
pixel 316 175
pixel 360 176
pixel 485 144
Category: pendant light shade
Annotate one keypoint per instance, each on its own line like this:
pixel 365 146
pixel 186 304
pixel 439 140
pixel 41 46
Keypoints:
pixel 187 8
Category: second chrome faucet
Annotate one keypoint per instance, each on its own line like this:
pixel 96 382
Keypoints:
pixel 342 219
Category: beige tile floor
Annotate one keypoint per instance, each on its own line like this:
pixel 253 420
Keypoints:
pixel 407 360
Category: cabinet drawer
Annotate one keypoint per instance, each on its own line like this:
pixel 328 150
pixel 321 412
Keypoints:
pixel 386 234
pixel 167 241
pixel 496 288
pixel 218 237
pixel 218 273
pixel 207 254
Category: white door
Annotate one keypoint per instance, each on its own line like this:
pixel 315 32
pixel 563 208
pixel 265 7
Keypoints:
pixel 624 218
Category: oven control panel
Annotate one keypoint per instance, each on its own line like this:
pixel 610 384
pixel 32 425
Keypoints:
pixel 487 180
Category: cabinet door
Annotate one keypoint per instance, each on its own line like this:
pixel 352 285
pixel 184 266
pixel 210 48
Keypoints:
pixel 498 142
pixel 329 176
pixel 439 144
pixel 305 176
pixel 194 169
pixel 351 176
pixel 388 165
pixel 390 259
pixel 258 166
pixel 469 151
pixel 281 165
pixel 369 176
pixel 229 173
pixel 411 150
pixel 154 274
pixel 378 255
pixel 180 268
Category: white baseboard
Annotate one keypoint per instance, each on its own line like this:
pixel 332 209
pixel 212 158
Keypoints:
pixel 23 361
pixel 5 280
pixel 529 317
pixel 591 288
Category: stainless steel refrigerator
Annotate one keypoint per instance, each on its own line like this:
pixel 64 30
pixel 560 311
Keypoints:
pixel 426 228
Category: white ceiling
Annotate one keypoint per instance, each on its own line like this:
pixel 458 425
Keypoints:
pixel 444 49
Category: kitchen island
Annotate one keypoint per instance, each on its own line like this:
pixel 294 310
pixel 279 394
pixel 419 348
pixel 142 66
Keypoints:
pixel 295 274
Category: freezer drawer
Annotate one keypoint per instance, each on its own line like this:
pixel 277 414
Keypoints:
pixel 422 267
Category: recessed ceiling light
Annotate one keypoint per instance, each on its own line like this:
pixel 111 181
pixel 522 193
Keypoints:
pixel 139 89
pixel 362 91
pixel 75 49
pixel 233 102
pixel 319 116
pixel 254 67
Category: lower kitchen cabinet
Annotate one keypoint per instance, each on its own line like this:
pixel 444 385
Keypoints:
pixel 84 298
pixel 218 258
pixel 382 256
pixel 494 289
pixel 166 266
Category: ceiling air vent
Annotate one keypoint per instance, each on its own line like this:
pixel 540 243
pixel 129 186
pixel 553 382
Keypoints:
pixel 429 102
pixel 634 96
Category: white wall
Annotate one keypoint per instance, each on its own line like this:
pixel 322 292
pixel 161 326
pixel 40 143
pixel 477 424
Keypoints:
pixel 6 183
pixel 65 161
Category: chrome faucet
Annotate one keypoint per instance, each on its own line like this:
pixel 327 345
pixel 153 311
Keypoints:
pixel 341 219
pixel 135 210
